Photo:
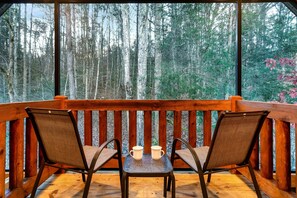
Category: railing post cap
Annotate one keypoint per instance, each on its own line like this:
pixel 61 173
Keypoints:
pixel 60 97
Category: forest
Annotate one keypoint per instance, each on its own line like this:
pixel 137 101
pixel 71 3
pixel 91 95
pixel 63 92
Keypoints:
pixel 148 51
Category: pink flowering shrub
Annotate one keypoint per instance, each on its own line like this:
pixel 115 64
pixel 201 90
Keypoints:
pixel 287 74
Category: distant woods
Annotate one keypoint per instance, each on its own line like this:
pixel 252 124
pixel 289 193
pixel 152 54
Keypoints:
pixel 144 51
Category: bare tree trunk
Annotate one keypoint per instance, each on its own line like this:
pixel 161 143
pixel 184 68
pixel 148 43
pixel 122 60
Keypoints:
pixel 29 52
pixel 231 24
pixel 158 53
pixel 107 76
pixel 126 50
pixel 86 49
pixel 142 65
pixel 25 66
pixel 70 70
pixel 174 32
pixel 100 41
pixel 16 31
pixel 8 71
pixel 74 48
pixel 142 52
pixel 93 46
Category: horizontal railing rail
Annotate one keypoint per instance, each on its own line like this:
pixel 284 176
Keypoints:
pixel 98 120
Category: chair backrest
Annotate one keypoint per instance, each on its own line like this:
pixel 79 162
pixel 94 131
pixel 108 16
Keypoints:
pixel 58 136
pixel 234 138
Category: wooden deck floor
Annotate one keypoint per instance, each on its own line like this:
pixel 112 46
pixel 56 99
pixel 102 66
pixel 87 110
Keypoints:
pixel 106 184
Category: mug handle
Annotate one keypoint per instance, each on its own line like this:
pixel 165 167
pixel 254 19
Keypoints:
pixel 162 153
pixel 131 153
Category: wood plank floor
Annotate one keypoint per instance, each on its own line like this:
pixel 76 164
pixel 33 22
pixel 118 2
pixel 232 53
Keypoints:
pixel 106 184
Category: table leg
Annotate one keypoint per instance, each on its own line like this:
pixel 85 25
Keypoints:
pixel 164 187
pixel 169 183
pixel 125 185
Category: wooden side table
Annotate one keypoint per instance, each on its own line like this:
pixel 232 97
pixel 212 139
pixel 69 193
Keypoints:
pixel 147 167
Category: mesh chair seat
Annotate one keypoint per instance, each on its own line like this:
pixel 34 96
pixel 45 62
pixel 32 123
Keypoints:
pixel 187 157
pixel 105 155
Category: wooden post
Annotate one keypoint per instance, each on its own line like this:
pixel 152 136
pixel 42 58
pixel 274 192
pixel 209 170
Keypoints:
pixel 233 102
pixel 147 131
pixel 177 127
pixel 266 144
pixel 206 128
pixel 16 156
pixel 254 159
pixel 31 150
pixel 192 128
pixel 102 127
pixel 2 157
pixel 118 125
pixel 283 166
pixel 63 101
pixel 132 129
pixel 162 130
pixel 88 127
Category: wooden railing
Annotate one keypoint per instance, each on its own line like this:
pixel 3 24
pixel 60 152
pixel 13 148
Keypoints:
pixel 277 128
pixel 17 132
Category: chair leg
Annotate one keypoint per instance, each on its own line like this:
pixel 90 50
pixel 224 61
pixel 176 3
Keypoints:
pixel 88 183
pixel 37 179
pixel 169 178
pixel 120 170
pixel 202 184
pixel 208 177
pixel 254 181
pixel 83 177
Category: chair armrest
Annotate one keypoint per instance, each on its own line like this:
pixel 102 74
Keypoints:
pixel 192 151
pixel 102 146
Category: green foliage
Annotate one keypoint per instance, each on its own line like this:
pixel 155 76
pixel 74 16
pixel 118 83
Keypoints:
pixel 197 49
pixel 269 31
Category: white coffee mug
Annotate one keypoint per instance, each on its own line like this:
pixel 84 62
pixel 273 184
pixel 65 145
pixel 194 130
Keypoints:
pixel 157 152
pixel 137 152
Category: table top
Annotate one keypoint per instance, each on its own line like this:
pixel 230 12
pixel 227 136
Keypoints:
pixel 147 166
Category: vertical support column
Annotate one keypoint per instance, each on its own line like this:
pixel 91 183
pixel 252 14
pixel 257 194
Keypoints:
pixel 254 159
pixel 63 99
pixel 206 128
pixel 192 128
pixel 31 150
pixel 162 130
pixel 118 125
pixel 177 127
pixel 16 156
pixel 88 127
pixel 266 141
pixel 132 129
pixel 147 131
pixel 102 127
pixel 57 48
pixel 2 157
pixel 233 100
pixel 238 48
pixel 283 163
